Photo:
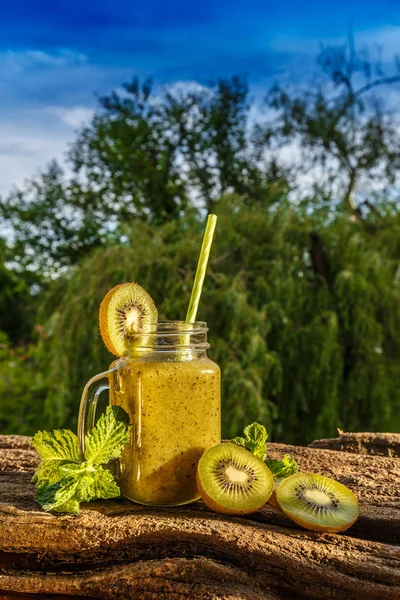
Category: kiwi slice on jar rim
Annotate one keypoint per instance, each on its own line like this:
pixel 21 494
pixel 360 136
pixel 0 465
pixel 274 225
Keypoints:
pixel 317 502
pixel 126 312
pixel 231 480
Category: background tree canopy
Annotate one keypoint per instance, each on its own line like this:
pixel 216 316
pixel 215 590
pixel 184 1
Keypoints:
pixel 303 290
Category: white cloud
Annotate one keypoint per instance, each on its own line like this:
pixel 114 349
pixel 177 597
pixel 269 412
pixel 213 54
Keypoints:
pixel 13 62
pixel 28 141
pixel 44 98
pixel 186 87
pixel 74 116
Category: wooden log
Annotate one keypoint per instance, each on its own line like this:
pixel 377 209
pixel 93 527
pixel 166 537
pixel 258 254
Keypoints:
pixel 116 549
pixel 379 444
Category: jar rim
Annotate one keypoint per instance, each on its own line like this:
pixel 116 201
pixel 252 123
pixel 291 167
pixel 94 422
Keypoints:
pixel 173 327
pixel 170 335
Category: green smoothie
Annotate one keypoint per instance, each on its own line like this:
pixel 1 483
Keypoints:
pixel 174 408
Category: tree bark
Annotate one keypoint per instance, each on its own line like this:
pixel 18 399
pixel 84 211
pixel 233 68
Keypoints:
pixel 379 444
pixel 349 194
pixel 116 549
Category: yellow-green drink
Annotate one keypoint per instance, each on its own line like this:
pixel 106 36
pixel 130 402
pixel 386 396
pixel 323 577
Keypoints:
pixel 174 407
pixel 171 392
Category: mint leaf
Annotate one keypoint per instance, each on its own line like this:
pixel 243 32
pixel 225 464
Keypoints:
pixel 256 432
pixel 254 440
pixel 104 485
pixel 55 449
pixel 239 441
pixel 50 471
pixel 71 507
pixel 60 444
pixel 64 495
pixel 45 493
pixel 109 437
pixel 81 483
pixel 257 436
pixel 72 469
pixel 282 468
pixel 94 482
pixel 59 497
pixel 63 480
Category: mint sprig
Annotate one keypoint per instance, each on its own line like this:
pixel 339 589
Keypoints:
pixel 254 440
pixel 63 479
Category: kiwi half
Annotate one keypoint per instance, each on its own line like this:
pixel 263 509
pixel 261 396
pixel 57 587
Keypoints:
pixel 125 311
pixel 233 481
pixel 317 502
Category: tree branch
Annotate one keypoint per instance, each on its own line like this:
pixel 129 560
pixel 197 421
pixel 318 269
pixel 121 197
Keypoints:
pixel 373 84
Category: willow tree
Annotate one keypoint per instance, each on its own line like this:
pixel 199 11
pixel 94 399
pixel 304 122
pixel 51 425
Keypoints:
pixel 303 350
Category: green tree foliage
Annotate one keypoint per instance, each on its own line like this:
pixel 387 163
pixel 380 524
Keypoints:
pixel 142 157
pixel 16 302
pixel 148 156
pixel 303 327
pixel 55 222
pixel 23 386
pixel 128 154
pixel 347 134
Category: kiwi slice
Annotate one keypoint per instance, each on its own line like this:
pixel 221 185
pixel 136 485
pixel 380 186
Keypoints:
pixel 125 311
pixel 317 502
pixel 232 480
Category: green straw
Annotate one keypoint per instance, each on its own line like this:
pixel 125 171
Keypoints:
pixel 201 269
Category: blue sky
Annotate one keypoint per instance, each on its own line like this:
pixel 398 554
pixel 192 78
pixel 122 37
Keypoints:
pixel 54 57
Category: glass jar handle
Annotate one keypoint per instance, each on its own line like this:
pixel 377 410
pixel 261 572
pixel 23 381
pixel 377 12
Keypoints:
pixel 89 399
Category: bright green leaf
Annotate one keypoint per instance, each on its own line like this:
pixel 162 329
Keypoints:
pixel 56 445
pixel 63 480
pixel 71 507
pixel 51 471
pixel 56 449
pixel 254 440
pixel 58 496
pixel 282 468
pixel 256 432
pixel 102 485
pixel 109 437
pixel 239 441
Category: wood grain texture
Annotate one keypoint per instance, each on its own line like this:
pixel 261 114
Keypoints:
pixel 379 444
pixel 117 549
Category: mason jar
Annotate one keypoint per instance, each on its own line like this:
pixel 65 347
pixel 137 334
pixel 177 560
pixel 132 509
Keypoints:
pixel 171 392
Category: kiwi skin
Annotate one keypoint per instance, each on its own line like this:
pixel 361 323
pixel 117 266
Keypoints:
pixel 272 500
pixel 103 319
pixel 223 509
pixel 314 526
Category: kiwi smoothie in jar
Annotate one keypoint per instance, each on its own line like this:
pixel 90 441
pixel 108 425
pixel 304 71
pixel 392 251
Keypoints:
pixel 173 400
pixel 167 385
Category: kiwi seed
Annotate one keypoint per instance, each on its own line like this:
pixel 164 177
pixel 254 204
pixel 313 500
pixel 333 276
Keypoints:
pixel 232 480
pixel 317 502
